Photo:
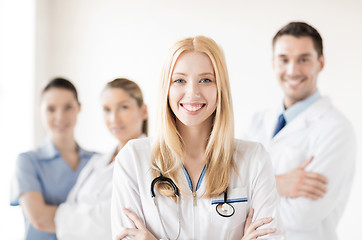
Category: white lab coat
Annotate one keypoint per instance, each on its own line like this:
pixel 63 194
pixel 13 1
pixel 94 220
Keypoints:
pixel 86 213
pixel 323 132
pixel 253 180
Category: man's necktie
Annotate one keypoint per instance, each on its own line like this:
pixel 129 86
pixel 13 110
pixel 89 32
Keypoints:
pixel 280 125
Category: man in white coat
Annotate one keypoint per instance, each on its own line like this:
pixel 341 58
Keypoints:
pixel 311 144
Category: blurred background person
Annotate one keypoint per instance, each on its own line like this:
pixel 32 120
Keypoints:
pixel 311 143
pixel 44 176
pixel 86 213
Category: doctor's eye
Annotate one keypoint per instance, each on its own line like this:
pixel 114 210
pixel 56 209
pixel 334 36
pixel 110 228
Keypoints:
pixel 68 107
pixel 283 60
pixel 303 60
pixel 123 107
pixel 106 110
pixel 179 81
pixel 205 80
pixel 50 109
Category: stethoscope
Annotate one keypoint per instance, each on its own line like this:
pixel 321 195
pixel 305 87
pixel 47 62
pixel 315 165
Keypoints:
pixel 162 178
pixel 224 208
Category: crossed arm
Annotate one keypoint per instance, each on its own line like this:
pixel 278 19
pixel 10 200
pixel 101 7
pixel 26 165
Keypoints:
pixel 301 183
pixel 140 232
pixel 40 215
pixel 308 197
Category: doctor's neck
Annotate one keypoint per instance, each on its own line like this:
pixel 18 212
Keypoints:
pixel 289 101
pixel 65 145
pixel 195 139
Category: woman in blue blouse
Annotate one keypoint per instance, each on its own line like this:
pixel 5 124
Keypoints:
pixel 44 176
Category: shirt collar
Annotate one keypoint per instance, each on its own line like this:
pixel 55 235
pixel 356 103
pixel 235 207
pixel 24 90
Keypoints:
pixel 49 151
pixel 142 136
pixel 297 108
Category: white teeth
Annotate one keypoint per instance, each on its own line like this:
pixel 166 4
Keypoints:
pixel 192 108
pixel 294 83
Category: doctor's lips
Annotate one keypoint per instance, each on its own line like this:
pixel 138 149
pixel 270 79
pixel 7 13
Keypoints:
pixel 293 82
pixel 117 129
pixel 192 107
pixel 61 127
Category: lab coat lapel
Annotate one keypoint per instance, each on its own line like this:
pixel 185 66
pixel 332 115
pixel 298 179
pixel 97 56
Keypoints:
pixel 96 162
pixel 314 112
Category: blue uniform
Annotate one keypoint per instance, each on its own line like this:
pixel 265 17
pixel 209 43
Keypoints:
pixel 44 170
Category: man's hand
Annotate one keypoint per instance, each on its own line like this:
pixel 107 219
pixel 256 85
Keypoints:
pixel 300 183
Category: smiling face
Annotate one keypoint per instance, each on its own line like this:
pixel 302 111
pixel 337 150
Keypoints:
pixel 122 115
pixel 297 65
pixel 59 110
pixel 193 90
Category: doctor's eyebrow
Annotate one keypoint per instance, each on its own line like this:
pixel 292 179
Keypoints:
pixel 179 73
pixel 201 74
pixel 207 74
pixel 300 55
pixel 123 102
pixel 305 55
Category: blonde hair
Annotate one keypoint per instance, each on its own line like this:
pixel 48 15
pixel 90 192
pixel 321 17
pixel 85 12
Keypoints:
pixel 168 148
pixel 133 90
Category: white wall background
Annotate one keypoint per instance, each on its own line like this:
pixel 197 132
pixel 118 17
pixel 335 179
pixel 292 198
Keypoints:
pixel 94 41
pixel 17 37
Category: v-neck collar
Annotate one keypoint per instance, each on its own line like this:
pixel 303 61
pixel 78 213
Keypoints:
pixel 189 178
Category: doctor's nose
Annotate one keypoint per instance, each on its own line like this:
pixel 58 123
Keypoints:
pixel 112 117
pixel 293 68
pixel 59 115
pixel 193 90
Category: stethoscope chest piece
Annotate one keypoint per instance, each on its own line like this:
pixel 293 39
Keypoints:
pixel 225 209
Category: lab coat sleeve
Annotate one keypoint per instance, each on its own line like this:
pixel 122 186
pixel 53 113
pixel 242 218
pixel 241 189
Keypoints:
pixel 264 197
pixel 334 157
pixel 74 221
pixel 125 193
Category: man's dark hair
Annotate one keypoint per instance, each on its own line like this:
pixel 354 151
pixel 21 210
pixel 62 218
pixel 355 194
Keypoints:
pixel 301 29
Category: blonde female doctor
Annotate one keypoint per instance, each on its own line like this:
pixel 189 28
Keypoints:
pixel 86 213
pixel 194 180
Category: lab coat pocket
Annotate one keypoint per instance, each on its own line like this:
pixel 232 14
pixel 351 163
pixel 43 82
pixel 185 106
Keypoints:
pixel 238 200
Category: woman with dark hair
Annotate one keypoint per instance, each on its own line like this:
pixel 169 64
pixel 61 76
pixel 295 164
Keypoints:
pixel 44 176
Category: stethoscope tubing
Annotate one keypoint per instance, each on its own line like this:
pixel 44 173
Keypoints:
pixel 177 195
pixel 224 209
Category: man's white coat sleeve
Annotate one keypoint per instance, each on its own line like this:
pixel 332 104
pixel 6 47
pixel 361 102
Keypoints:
pixel 334 157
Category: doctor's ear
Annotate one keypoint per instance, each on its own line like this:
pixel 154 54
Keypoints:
pixel 321 60
pixel 144 111
pixel 80 106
